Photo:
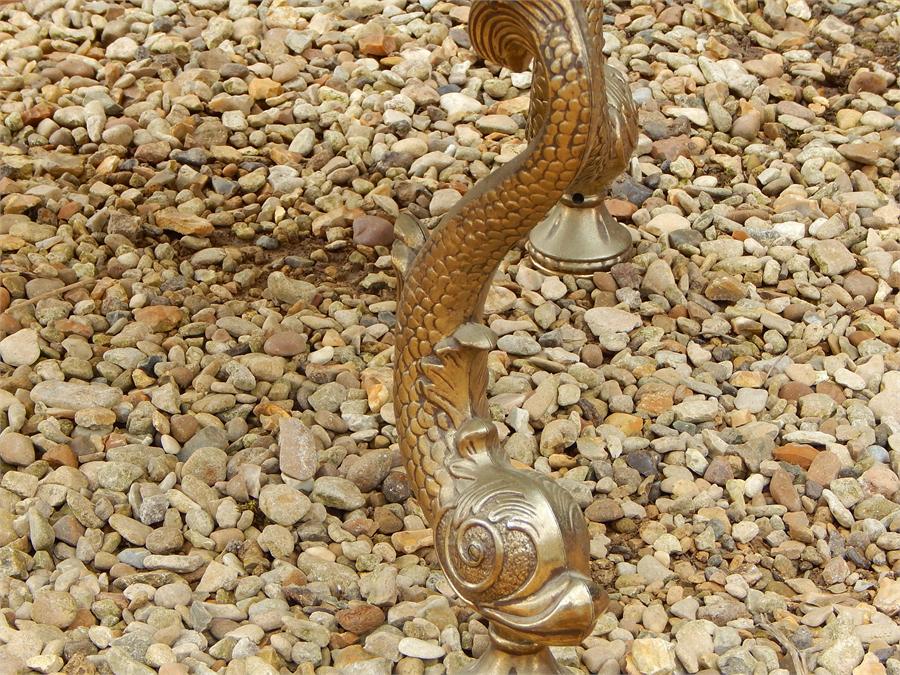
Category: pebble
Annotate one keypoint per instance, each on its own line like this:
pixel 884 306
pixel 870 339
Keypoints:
pixel 297 454
pixel 54 608
pixel 832 257
pixel 653 656
pixel 608 319
pixel 22 348
pixel 283 504
pixel 337 493
pixel 420 649
pixel 373 231
pixel 16 449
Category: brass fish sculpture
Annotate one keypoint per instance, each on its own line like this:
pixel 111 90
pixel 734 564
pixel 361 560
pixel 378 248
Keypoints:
pixel 512 543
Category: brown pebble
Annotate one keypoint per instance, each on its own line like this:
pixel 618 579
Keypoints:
pixel 184 427
pixel 718 472
pixel 856 283
pixel 620 208
pixel 372 41
pixel 16 449
pixel 793 391
pixel 795 312
pixel 173 669
pixel 604 281
pixel 160 318
pixel 386 520
pixel 866 80
pixel 372 231
pixel 782 489
pixel 36 114
pixel 798 454
pixel 220 627
pixel 360 619
pixel 343 640
pixel 8 324
pixel 83 618
pixel 61 455
pixel 604 510
pixel 833 390
pixel 824 468
pixel 891 337
pixel 857 337
pixel 182 375
pixel 592 355
pixel 285 343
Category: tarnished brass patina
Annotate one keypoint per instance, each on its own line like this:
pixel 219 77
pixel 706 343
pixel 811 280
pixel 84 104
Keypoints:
pixel 579 236
pixel 513 544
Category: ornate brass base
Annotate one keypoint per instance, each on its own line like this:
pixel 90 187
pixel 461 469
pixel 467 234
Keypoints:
pixel 511 657
pixel 580 237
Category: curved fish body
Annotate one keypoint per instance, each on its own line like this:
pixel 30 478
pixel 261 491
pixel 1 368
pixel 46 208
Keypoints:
pixel 512 543
pixel 613 147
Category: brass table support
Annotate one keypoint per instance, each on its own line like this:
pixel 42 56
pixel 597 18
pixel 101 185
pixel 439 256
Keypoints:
pixel 579 236
pixel 513 544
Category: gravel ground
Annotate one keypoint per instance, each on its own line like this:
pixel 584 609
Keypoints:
pixel 198 468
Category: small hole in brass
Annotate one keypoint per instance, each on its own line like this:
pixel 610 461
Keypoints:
pixel 578 198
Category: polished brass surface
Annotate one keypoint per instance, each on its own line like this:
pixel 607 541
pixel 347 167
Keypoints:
pixel 512 543
pixel 579 236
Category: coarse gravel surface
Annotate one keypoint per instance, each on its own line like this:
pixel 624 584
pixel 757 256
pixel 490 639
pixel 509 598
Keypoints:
pixel 198 461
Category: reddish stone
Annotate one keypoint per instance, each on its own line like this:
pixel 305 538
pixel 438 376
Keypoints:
pixel 799 454
pixel 285 343
pixel 68 210
pixel 782 489
pixel 71 326
pixel 879 479
pixel 153 152
pixel 373 42
pixel 857 337
pixel 833 390
pixel 604 281
pixel 655 402
pixel 718 472
pixel 184 427
pixel 671 148
pixel 8 324
pixel 866 80
pixel 83 618
pixel 61 455
pixel 630 425
pixel 360 619
pixel 343 640
pixel 36 114
pixel 891 336
pixel 671 16
pixel 620 208
pixel 792 391
pixel 824 468
pixel 160 318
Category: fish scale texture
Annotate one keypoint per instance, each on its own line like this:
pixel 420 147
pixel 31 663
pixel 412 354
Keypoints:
pixel 446 283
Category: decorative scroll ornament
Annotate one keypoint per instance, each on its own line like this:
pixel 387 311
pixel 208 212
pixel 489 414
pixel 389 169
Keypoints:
pixel 512 543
